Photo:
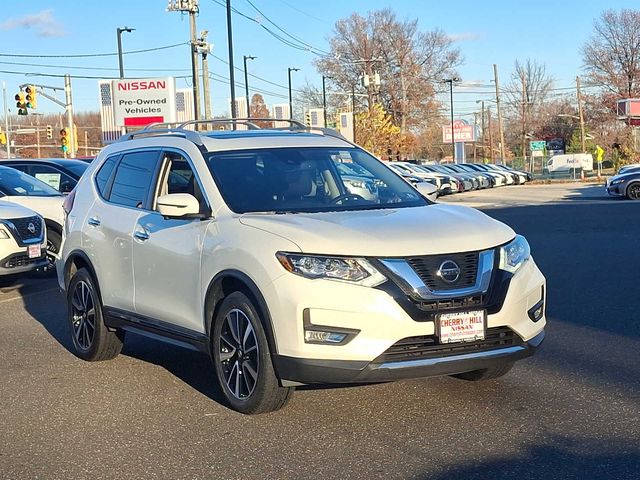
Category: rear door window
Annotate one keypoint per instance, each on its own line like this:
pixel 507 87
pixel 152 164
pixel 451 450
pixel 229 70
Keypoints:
pixel 133 179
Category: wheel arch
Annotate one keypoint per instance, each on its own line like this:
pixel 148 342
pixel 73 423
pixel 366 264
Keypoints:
pixel 229 281
pixel 76 260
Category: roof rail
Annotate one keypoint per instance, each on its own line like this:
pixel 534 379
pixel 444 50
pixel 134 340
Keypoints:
pixel 154 132
pixel 180 129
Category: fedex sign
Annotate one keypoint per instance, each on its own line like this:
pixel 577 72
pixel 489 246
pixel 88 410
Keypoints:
pixel 139 102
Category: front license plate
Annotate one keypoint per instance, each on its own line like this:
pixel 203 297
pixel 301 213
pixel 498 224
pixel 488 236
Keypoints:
pixel 34 251
pixel 461 326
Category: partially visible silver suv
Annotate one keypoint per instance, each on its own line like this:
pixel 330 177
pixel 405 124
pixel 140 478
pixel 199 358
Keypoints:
pixel 256 248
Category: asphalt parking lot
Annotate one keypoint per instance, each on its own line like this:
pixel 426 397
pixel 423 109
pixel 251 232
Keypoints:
pixel 572 411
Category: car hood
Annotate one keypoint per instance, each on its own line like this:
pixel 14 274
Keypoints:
pixel 10 210
pixel 625 176
pixel 433 229
pixel 48 207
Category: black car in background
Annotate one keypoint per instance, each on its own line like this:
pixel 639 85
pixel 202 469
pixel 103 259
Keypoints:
pixel 60 173
pixel 625 185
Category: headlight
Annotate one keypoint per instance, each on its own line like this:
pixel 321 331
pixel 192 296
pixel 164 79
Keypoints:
pixel 353 270
pixel 514 254
pixel 617 181
pixel 3 235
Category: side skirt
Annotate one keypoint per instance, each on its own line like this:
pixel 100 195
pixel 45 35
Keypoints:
pixel 115 318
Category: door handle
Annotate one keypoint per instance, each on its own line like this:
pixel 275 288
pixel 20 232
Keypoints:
pixel 141 235
pixel 94 221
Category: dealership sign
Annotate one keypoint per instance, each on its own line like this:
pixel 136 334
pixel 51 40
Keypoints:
pixel 462 130
pixel 138 102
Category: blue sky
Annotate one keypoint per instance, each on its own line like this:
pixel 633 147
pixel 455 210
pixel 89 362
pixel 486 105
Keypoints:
pixel 501 31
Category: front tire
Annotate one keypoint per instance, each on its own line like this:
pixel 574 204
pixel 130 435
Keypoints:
pixel 633 191
pixel 485 373
pixel 92 341
pixel 242 359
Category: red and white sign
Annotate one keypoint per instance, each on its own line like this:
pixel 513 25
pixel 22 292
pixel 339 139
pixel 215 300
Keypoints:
pixel 140 101
pixel 463 132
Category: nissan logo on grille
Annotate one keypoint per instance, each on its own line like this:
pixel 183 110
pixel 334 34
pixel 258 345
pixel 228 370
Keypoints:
pixel 32 228
pixel 449 271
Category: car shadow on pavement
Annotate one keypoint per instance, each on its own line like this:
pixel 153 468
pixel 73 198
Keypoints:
pixel 559 458
pixel 193 368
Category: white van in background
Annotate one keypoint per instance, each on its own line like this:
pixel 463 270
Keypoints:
pixel 569 162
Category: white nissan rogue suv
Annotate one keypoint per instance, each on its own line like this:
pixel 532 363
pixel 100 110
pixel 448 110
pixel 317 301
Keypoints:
pixel 248 245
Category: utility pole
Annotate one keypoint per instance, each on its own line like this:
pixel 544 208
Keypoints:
pixel 524 118
pixel 204 49
pixel 289 70
pixel 38 135
pixel 581 114
pixel 490 135
pixel 353 111
pixel 191 6
pixel 246 82
pixel 86 143
pixel 232 77
pixel 119 31
pixel 6 119
pixel 324 100
pixel 500 130
pixel 69 109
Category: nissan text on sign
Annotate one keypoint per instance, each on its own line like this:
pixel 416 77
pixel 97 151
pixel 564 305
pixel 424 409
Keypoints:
pixel 138 102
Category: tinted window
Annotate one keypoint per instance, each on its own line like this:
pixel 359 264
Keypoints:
pixel 133 179
pixel 105 173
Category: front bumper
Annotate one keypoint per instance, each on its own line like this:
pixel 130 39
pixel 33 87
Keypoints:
pixel 304 370
pixel 21 263
pixel 616 190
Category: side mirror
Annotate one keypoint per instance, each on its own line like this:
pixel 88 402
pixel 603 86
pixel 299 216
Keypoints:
pixel 427 189
pixel 178 205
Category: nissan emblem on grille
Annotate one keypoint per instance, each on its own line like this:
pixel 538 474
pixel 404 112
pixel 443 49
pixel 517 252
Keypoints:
pixel 449 271
pixel 32 228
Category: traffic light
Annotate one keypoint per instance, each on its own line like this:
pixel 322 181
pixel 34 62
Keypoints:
pixel 307 119
pixel 3 138
pixel 32 96
pixel 21 103
pixel 64 139
pixel 49 132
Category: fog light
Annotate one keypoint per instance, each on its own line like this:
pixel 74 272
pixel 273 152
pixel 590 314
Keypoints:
pixel 536 312
pixel 318 336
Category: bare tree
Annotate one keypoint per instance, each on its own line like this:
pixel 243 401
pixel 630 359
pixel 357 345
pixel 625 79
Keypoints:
pixel 611 57
pixel 409 63
pixel 526 95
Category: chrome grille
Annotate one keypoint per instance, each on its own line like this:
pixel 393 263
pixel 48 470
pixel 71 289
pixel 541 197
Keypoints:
pixel 21 226
pixel 426 267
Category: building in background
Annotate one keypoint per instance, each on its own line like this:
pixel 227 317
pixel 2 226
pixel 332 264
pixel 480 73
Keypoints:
pixel 280 110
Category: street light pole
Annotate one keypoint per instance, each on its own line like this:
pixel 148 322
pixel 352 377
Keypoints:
pixel 289 70
pixel 324 100
pixel 119 31
pixel 246 82
pixel 232 80
pixel 453 141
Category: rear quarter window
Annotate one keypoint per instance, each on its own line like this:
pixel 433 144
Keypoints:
pixel 104 174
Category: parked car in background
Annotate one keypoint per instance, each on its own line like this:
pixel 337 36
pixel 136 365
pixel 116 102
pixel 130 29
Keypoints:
pixel 18 187
pixel 443 182
pixel 519 176
pixel 491 179
pixel 626 185
pixel 60 173
pixel 22 239
pixel 500 179
pixel 465 182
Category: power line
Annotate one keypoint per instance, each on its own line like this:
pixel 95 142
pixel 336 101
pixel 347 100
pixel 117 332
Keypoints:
pixel 81 77
pixel 284 31
pixel 41 65
pixel 87 55
pixel 293 7
pixel 289 43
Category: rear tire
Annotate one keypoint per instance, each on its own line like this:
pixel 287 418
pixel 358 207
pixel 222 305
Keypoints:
pixel 91 339
pixel 242 359
pixel 485 373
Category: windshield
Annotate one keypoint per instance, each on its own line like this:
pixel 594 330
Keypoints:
pixel 77 169
pixel 15 183
pixel 314 179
